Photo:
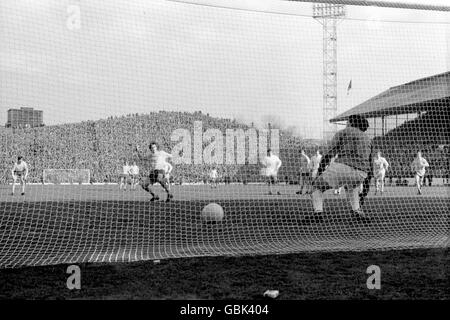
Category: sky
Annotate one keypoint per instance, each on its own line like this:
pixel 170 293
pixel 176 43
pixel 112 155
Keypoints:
pixel 249 60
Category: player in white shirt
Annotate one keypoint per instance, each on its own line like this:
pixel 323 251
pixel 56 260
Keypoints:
pixel 168 170
pixel 134 172
pixel 124 176
pixel 157 161
pixel 338 190
pixel 213 175
pixel 305 172
pixel 271 165
pixel 380 166
pixel 418 166
pixel 20 171
pixel 315 163
pixel 314 167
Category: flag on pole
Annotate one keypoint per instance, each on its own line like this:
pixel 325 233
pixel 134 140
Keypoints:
pixel 349 87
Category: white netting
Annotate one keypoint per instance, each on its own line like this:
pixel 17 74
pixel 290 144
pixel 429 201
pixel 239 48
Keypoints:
pixel 215 86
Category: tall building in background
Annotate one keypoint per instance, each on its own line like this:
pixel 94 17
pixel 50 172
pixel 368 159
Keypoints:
pixel 24 118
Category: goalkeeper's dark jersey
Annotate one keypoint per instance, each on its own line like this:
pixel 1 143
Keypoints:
pixel 353 147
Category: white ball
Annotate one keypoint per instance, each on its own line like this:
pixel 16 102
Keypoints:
pixel 212 213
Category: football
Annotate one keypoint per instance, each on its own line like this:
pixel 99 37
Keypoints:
pixel 212 213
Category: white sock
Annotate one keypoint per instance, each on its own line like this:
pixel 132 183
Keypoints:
pixel 317 199
pixel 353 198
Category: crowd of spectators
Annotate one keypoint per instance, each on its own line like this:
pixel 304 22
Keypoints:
pixel 103 146
pixel 428 133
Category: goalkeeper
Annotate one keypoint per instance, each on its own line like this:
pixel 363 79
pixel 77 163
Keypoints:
pixel 20 172
pixel 350 169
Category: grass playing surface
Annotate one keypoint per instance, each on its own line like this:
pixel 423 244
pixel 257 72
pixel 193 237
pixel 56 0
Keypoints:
pixel 80 224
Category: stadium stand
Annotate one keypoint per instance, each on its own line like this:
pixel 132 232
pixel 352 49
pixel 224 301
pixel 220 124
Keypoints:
pixel 428 99
pixel 423 133
pixel 102 145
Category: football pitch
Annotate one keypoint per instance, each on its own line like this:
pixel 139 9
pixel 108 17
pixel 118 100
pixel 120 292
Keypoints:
pixel 263 242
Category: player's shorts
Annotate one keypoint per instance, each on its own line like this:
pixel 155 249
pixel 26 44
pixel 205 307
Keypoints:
pixel 272 178
pixel 19 174
pixel 338 175
pixel 380 174
pixel 134 176
pixel 157 176
pixel 124 175
pixel 420 173
pixel 268 172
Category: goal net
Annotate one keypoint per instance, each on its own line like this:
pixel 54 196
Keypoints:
pixel 89 84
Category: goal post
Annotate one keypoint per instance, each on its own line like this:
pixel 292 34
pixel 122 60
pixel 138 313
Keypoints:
pixel 66 176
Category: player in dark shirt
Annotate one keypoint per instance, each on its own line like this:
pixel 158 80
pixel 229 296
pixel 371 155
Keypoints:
pixel 351 168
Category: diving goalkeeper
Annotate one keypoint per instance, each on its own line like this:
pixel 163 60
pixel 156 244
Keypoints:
pixel 350 169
